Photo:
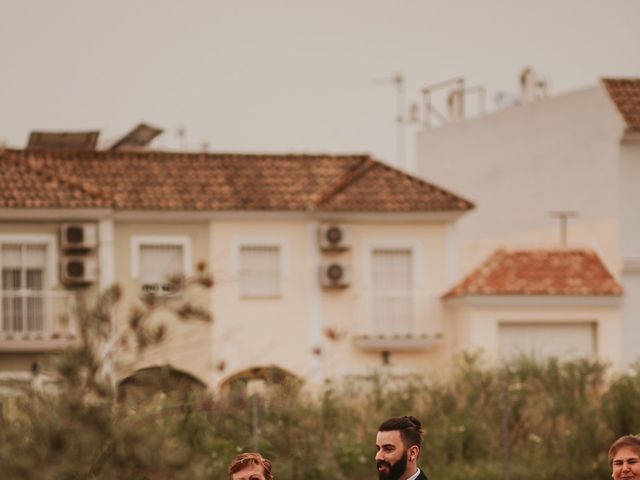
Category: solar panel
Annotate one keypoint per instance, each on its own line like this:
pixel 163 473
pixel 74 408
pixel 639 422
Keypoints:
pixel 140 137
pixel 79 141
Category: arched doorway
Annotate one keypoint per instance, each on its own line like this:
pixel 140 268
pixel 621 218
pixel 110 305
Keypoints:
pixel 145 383
pixel 255 379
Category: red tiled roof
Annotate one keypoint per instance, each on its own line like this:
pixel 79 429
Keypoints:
pixel 23 186
pixel 199 181
pixel 543 272
pixel 625 93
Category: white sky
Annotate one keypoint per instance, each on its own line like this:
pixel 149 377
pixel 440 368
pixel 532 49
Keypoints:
pixel 286 76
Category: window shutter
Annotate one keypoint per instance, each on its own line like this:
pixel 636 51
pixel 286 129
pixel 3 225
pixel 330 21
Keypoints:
pixel 260 274
pixel 159 263
pixel 392 283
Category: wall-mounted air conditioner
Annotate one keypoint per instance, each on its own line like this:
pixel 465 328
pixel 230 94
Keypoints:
pixel 333 237
pixel 77 271
pixel 78 236
pixel 335 275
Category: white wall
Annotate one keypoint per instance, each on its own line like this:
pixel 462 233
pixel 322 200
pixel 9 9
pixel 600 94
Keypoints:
pixel 477 324
pixel 630 245
pixel 519 164
pixel 290 331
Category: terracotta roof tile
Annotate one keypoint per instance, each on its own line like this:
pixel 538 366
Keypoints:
pixel 375 186
pixel 23 184
pixel 180 181
pixel 539 272
pixel 625 93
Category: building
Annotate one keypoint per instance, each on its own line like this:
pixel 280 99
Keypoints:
pixel 574 156
pixel 541 303
pixel 324 265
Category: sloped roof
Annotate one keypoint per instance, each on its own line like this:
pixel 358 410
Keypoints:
pixel 23 186
pixel 625 93
pixel 131 180
pixel 539 272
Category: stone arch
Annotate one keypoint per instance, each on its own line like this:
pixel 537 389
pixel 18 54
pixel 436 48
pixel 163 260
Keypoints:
pixel 268 375
pixel 159 379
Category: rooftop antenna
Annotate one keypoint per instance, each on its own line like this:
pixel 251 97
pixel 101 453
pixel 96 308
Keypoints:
pixel 181 133
pixel 430 109
pixel 398 80
pixel 564 216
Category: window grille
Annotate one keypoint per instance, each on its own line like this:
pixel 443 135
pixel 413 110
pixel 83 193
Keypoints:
pixel 23 272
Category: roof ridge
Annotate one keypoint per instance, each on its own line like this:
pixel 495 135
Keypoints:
pixel 487 263
pixel 347 179
pixel 182 153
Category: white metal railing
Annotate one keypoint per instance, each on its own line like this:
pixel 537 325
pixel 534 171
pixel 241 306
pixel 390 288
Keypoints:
pixel 36 315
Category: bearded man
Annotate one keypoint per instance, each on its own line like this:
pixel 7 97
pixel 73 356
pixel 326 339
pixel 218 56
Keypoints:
pixel 398 445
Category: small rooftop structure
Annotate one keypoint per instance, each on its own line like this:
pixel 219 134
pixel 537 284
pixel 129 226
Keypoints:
pixel 138 138
pixel 76 141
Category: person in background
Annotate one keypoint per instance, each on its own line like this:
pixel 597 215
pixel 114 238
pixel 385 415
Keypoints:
pixel 398 445
pixel 250 466
pixel 624 458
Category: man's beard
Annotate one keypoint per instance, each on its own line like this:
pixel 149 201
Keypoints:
pixel 395 471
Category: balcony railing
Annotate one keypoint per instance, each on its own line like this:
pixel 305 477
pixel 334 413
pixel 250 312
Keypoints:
pixel 398 343
pixel 36 320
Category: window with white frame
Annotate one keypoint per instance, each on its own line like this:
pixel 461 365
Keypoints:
pixel 160 263
pixel 392 290
pixel 260 271
pixel 24 273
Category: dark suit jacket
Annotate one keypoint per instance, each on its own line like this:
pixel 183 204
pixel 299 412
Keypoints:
pixel 422 476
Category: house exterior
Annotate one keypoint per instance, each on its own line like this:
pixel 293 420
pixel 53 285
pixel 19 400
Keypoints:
pixel 576 155
pixel 538 303
pixel 324 265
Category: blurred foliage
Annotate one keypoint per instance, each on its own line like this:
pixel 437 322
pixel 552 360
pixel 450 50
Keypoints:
pixel 550 419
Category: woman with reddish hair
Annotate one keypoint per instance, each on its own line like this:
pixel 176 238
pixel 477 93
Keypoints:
pixel 250 466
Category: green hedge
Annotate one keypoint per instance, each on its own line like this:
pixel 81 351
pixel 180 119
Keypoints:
pixel 543 420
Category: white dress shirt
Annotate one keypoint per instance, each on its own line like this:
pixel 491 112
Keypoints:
pixel 415 475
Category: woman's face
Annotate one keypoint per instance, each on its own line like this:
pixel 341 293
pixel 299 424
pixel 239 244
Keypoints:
pixel 250 472
pixel 626 464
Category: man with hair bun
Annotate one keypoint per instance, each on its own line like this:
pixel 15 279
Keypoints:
pixel 398 445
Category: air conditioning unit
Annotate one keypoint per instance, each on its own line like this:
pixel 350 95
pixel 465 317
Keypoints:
pixel 335 275
pixel 78 236
pixel 77 271
pixel 333 237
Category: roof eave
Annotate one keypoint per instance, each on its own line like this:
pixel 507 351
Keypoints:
pixel 522 300
pixel 54 214
pixel 631 136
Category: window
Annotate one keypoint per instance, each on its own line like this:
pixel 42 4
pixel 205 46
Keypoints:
pixel 544 340
pixel 23 277
pixel 260 270
pixel 159 260
pixel 392 288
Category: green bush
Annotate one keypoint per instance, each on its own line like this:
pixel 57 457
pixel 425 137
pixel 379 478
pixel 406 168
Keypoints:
pixel 552 420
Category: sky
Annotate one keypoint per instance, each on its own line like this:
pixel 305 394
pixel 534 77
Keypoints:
pixel 286 76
